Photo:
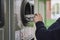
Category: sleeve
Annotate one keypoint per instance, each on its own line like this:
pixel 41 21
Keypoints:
pixel 41 32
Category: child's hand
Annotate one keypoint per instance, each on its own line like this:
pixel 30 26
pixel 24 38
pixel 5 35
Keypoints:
pixel 37 18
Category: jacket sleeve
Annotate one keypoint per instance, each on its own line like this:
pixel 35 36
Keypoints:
pixel 53 33
pixel 41 32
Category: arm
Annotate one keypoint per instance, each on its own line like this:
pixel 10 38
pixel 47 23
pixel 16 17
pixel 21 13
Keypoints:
pixel 53 33
pixel 41 32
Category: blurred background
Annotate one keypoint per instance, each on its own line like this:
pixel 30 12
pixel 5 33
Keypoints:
pixel 16 17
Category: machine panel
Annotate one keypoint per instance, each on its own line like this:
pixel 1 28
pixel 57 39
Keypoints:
pixel 1 13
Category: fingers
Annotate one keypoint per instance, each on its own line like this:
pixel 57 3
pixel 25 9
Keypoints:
pixel 37 17
pixel 37 14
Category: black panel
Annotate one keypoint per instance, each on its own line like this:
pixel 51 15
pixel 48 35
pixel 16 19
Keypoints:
pixel 32 9
pixel 27 9
pixel 1 13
